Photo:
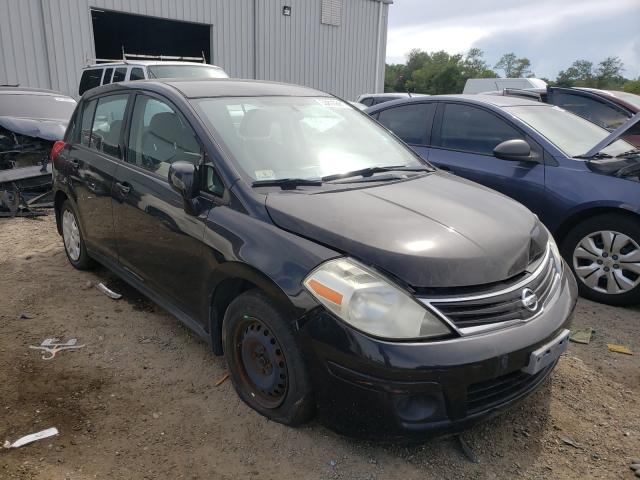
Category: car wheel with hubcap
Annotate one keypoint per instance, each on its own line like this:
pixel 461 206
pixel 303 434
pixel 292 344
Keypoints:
pixel 266 365
pixel 604 254
pixel 72 237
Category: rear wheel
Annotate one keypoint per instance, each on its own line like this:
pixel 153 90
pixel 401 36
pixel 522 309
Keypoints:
pixel 72 236
pixel 266 365
pixel 604 254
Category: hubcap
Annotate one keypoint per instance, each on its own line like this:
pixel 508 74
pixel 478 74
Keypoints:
pixel 608 262
pixel 71 235
pixel 264 367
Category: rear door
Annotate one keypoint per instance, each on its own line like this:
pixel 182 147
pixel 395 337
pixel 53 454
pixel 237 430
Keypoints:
pixel 158 242
pixel 463 140
pixel 412 123
pixel 94 158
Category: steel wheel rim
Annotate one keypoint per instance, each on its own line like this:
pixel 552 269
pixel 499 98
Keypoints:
pixel 608 262
pixel 263 367
pixel 71 235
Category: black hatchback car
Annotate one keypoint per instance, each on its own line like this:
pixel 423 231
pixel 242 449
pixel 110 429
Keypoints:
pixel 337 272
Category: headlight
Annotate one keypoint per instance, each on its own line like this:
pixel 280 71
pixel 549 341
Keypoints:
pixel 555 253
pixel 370 303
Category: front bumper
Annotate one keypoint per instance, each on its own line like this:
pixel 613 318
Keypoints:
pixel 371 388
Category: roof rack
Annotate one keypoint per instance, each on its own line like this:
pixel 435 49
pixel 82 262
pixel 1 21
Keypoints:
pixel 142 56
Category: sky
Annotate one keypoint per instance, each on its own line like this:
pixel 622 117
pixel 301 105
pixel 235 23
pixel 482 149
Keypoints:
pixel 550 33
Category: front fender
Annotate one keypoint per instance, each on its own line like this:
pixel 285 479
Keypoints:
pixel 241 246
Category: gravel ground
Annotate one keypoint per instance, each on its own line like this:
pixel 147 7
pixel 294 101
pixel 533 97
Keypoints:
pixel 140 401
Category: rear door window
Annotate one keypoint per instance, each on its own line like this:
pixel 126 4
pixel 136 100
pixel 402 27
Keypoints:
pixel 120 74
pixel 107 76
pixel 107 124
pixel 607 116
pixel 90 79
pixel 409 122
pixel 472 129
pixel 160 136
pixel 136 74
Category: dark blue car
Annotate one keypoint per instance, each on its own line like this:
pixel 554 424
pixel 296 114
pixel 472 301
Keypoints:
pixel 580 179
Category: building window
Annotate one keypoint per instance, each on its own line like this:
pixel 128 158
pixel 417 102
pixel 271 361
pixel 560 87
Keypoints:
pixel 331 12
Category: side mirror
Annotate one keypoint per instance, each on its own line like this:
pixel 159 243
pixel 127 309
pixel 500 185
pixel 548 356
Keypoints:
pixel 183 179
pixel 516 149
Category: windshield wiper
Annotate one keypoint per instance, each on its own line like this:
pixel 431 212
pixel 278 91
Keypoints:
pixel 367 172
pixel 287 183
pixel 596 156
pixel 633 151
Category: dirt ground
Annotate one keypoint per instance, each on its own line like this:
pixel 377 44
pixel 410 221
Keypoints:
pixel 139 401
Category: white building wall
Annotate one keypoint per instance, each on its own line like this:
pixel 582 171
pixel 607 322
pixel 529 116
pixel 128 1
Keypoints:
pixel 45 43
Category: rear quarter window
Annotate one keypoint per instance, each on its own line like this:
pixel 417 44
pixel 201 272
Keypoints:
pixel 136 74
pixel 89 79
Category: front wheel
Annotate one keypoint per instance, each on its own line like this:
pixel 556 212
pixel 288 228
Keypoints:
pixel 266 365
pixel 604 254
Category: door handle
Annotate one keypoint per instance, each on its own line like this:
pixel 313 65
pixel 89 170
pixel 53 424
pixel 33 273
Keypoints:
pixel 124 188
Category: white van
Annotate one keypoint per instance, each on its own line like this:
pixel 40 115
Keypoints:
pixel 480 85
pixel 112 72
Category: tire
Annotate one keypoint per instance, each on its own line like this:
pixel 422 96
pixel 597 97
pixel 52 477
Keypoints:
pixel 266 366
pixel 604 255
pixel 73 241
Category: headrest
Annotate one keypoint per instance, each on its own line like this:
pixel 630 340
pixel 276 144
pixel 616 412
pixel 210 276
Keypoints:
pixel 256 124
pixel 166 126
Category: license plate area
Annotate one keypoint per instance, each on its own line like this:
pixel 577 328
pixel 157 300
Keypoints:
pixel 548 353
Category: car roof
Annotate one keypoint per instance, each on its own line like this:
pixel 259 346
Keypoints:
pixel 146 63
pixel 388 94
pixel 30 91
pixel 216 87
pixel 480 99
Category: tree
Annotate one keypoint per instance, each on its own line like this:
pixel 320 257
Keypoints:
pixel 632 86
pixel 514 67
pixel 394 78
pixel 441 73
pixel 609 73
pixel 579 74
pixel 474 65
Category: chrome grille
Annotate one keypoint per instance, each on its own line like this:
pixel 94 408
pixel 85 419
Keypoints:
pixel 471 314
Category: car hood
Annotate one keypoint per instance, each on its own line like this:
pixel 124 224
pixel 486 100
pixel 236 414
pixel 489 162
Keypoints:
pixel 45 129
pixel 613 136
pixel 434 231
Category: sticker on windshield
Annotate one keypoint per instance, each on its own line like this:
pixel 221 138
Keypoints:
pixel 265 174
pixel 63 99
pixel 332 102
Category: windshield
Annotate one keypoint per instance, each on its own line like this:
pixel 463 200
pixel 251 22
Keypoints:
pixel 570 133
pixel 186 71
pixel 273 138
pixel 51 107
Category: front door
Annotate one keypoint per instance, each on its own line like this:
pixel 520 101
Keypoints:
pixel 158 241
pixel 463 140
